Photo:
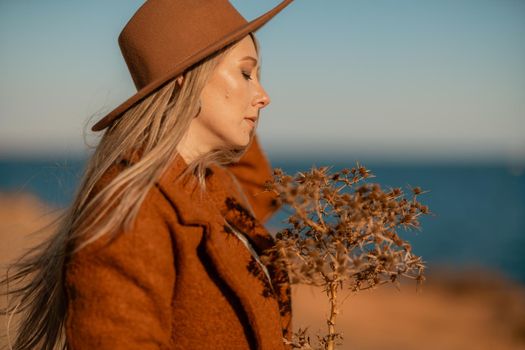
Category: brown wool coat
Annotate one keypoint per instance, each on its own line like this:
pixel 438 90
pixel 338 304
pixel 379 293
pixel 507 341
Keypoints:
pixel 180 279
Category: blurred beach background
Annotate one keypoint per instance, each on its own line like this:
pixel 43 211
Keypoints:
pixel 423 93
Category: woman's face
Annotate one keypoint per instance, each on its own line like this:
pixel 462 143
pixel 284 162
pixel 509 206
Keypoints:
pixel 230 101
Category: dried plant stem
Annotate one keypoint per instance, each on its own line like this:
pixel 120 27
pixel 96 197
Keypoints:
pixel 311 223
pixel 342 239
pixel 332 297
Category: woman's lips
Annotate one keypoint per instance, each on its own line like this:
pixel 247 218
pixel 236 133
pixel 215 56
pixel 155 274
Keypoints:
pixel 250 121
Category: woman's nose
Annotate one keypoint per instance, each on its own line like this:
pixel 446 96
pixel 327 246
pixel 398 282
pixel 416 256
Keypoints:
pixel 261 98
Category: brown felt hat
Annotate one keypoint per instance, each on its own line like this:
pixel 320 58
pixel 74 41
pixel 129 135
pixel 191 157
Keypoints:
pixel 165 37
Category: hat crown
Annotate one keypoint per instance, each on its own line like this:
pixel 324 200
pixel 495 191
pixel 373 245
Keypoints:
pixel 163 33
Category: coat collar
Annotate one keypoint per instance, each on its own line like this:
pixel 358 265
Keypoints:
pixel 223 199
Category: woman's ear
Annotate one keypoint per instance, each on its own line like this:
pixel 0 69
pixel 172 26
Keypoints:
pixel 180 80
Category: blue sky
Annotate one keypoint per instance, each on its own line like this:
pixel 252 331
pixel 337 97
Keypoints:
pixel 397 79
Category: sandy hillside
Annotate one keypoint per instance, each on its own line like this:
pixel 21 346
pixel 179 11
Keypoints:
pixel 468 310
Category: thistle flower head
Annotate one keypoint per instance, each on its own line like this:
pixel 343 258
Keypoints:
pixel 345 230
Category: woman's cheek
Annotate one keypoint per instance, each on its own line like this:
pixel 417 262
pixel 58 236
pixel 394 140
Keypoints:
pixel 229 83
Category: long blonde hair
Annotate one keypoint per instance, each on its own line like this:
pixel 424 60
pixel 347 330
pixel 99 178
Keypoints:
pixel 153 127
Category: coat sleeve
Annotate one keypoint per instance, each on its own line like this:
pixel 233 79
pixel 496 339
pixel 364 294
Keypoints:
pixel 120 292
pixel 252 171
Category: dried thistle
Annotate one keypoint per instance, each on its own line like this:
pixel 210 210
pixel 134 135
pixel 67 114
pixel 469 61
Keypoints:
pixel 342 233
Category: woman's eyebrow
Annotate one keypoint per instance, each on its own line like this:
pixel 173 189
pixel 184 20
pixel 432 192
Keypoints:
pixel 249 58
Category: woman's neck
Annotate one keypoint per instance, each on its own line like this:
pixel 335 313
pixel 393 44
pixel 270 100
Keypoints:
pixel 189 149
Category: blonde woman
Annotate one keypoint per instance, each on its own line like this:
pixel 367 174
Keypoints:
pixel 159 249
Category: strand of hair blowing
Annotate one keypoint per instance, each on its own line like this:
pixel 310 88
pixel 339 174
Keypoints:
pixel 154 127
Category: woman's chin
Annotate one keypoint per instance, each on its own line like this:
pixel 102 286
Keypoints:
pixel 244 141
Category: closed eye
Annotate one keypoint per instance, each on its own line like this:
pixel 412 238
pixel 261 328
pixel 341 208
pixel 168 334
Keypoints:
pixel 247 76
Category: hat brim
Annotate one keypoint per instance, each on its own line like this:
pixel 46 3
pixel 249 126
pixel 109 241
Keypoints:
pixel 179 68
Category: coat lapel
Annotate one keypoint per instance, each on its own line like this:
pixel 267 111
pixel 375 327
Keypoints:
pixel 223 201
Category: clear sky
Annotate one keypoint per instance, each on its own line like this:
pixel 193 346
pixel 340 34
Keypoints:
pixel 415 79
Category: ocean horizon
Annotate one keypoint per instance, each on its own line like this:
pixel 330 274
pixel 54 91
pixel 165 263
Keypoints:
pixel 478 208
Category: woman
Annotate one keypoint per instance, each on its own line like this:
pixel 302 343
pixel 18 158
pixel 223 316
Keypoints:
pixel 160 248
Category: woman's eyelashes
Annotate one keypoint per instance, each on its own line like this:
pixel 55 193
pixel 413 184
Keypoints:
pixel 246 75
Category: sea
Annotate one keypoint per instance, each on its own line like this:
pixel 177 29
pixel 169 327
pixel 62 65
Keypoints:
pixel 478 209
